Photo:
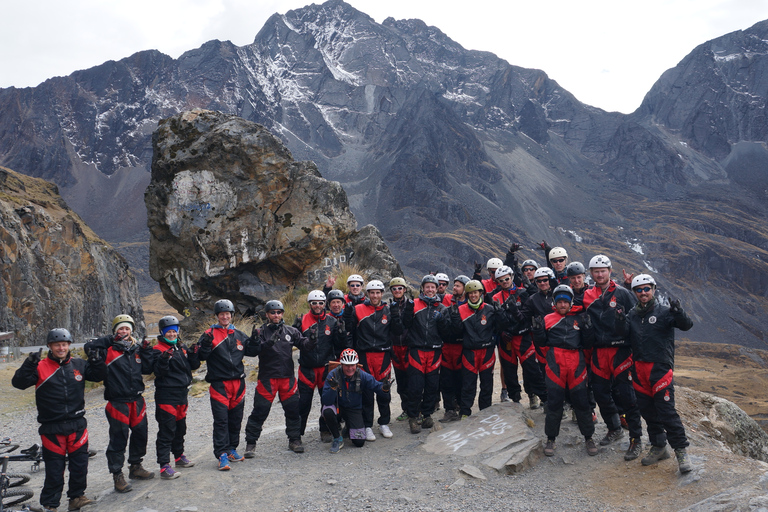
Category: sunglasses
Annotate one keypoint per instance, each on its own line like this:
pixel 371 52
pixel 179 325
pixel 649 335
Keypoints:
pixel 317 303
pixel 354 285
pixel 504 279
pixel 397 288
pixel 529 269
pixel 275 312
pixel 542 280
pixel 558 260
pixel 643 289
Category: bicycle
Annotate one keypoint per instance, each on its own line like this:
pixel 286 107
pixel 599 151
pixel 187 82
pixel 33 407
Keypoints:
pixel 8 481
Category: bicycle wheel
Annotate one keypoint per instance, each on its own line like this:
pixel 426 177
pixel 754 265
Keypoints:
pixel 7 448
pixel 14 496
pixel 16 479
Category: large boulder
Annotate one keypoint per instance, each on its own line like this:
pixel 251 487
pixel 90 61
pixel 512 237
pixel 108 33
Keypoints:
pixel 54 271
pixel 231 214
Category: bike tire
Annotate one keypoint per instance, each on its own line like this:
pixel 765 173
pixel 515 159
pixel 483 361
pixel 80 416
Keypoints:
pixel 8 448
pixel 15 496
pixel 16 479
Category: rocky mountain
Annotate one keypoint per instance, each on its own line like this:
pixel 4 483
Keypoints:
pixel 451 153
pixel 232 215
pixel 54 271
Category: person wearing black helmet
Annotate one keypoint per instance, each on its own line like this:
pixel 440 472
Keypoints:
pixel 540 304
pixel 127 360
pixel 567 335
pixel 335 303
pixel 59 382
pixel 222 347
pixel 173 365
pixel 274 343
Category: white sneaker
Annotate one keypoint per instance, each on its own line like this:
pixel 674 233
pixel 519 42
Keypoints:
pixel 369 435
pixel 385 431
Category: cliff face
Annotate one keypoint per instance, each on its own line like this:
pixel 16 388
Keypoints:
pixel 232 215
pixel 54 271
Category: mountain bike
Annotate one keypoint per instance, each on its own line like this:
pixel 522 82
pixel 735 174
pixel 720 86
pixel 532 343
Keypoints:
pixel 8 481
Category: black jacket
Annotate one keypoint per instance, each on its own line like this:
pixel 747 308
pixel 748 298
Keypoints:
pixel 651 332
pixel 428 322
pixel 173 376
pixel 602 307
pixel 371 326
pixel 274 343
pixel 478 328
pixel 125 366
pixel 329 340
pixel 225 356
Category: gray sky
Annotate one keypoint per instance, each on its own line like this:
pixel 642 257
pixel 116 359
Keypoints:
pixel 607 53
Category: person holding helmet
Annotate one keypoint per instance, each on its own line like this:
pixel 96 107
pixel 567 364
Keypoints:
pixel 313 364
pixel 650 328
pixel 398 286
pixel 127 361
pixel 223 346
pixel 343 396
pixel 567 335
pixel 274 343
pixel 371 325
pixel 427 323
pixel 173 365
pixel 516 343
pixel 479 323
pixel 450 366
pixel 336 301
pixel 59 382
pixel 612 357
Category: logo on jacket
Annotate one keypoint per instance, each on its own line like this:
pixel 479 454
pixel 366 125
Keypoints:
pixel 384 319
pixel 652 320
pixel 483 321
pixel 576 325
pixel 78 376
pixel 240 345
pixel 327 331
pixel 666 396
pixel 287 337
pixel 138 359
pixel 612 303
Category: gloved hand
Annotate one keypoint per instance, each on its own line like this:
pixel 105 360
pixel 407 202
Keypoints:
pixel 255 332
pixel 537 323
pixel 313 333
pixel 586 320
pixel 34 357
pixel 145 343
pixel 394 308
pixel 495 305
pixel 194 348
pixel 206 340
pixel 454 309
pixel 543 244
pixel 621 317
pixel 333 382
pixel 167 355
pixel 674 305
pixel 478 267
pixel 271 341
pixel 95 357
pixel 340 327
pixel 514 248
pixel 386 385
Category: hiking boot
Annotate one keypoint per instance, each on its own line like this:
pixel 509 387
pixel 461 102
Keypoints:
pixel 591 447
pixel 385 431
pixel 120 484
pixel 611 436
pixel 403 416
pixel 504 395
pixel 427 422
pixel 183 462
pixel 623 421
pixel 533 401
pixel 549 448
pixel 683 460
pixel 450 415
pixel 337 444
pixel 234 456
pixel 79 502
pixel 326 437
pixel 295 446
pixel 167 472
pixel 413 423
pixel 250 450
pixel 223 462
pixel 655 454
pixel 516 397
pixel 139 473
pixel 369 435
pixel 635 447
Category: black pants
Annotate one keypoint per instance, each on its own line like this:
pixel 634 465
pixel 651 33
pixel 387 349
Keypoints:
pixel 353 419
pixel 266 391
pixel 126 420
pixel 476 364
pixel 656 399
pixel 613 388
pixel 55 451
pixel 450 375
pixel 423 381
pixel 379 365
pixel 400 367
pixel 309 380
pixel 567 376
pixel 227 407
pixel 171 429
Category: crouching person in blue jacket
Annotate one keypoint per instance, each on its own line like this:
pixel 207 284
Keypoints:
pixel 343 393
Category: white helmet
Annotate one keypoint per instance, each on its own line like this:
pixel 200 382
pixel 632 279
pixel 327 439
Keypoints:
pixel 375 285
pixel 316 295
pixel 543 272
pixel 557 252
pixel 642 279
pixel 443 277
pixel 355 277
pixel 494 263
pixel 503 271
pixel 530 263
pixel 349 356
pixel 600 261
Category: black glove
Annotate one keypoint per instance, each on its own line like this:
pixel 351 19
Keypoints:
pixel 206 340
pixel 514 248
pixel 454 309
pixel 34 357
pixel 621 317
pixel 586 321
pixel 394 308
pixel 537 323
pixel 333 382
pixel 386 384
pixel 117 337
pixel 340 328
pixel 167 355
pixel 478 267
pixel 95 357
pixel 194 348
pixel 145 343
pixel 543 245
pixel 495 305
pixel 313 333
pixel 674 305
pixel 255 332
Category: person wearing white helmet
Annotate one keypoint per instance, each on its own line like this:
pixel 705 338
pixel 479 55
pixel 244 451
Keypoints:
pixel 557 257
pixel 650 327
pixel 313 363
pixel 355 287
pixel 492 265
pixel 398 286
pixel 540 304
pixel 274 343
pixel 612 357
pixel 566 335
pixel 371 324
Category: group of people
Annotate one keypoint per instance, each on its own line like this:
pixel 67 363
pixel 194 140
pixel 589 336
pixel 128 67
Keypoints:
pixel 602 344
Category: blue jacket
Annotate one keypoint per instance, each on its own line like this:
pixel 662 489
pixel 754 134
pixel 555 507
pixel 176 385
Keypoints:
pixel 349 394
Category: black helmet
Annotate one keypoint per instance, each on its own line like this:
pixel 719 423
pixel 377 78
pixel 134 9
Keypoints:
pixel 223 305
pixel 462 279
pixel 574 269
pixel 273 305
pixel 563 291
pixel 167 321
pixel 429 278
pixel 55 335
pixel 335 294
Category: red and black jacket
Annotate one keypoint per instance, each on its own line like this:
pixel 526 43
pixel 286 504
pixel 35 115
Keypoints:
pixel 371 326
pixel 173 376
pixel 59 390
pixel 479 327
pixel 125 367
pixel 570 332
pixel 538 305
pixel 519 296
pixel 329 341
pixel 274 345
pixel 601 307
pixel 225 357
pixel 428 322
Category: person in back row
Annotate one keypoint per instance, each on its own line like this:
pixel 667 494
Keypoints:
pixel 397 286
pixel 450 366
